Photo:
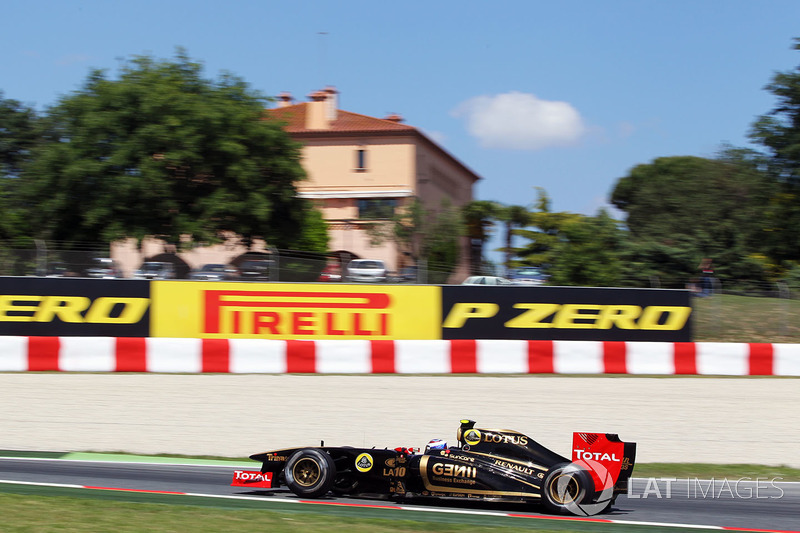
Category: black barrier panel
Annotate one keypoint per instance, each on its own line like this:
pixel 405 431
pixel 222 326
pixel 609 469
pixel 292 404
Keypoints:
pixel 565 313
pixel 74 307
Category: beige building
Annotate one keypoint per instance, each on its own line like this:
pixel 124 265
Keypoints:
pixel 360 169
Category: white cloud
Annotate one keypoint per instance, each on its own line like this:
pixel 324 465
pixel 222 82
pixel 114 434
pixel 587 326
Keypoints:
pixel 521 121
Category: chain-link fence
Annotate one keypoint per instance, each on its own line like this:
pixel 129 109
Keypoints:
pixel 724 311
pixel 272 265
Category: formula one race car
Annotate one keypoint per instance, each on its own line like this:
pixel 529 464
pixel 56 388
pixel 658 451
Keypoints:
pixel 496 465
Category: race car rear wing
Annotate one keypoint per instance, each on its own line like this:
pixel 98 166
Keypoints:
pixel 606 457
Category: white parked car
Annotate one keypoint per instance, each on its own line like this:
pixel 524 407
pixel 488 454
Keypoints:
pixel 103 268
pixel 155 270
pixel 366 271
pixel 486 280
pixel 215 272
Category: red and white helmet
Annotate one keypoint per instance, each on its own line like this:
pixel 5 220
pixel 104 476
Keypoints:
pixel 436 444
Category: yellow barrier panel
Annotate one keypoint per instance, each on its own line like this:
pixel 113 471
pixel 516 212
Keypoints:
pixel 216 310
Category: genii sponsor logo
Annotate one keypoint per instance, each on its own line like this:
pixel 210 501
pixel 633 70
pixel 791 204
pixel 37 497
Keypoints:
pixel 364 462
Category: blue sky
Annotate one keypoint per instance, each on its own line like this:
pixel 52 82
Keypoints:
pixel 566 95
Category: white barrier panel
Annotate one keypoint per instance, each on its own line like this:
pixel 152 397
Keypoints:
pixel 108 354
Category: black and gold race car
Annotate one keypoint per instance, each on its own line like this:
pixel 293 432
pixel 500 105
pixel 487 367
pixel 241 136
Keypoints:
pixel 496 465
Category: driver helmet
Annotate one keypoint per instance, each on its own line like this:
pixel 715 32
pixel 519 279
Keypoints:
pixel 436 444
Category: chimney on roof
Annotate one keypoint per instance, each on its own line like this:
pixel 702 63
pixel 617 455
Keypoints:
pixel 317 113
pixel 394 117
pixel 285 99
pixel 332 102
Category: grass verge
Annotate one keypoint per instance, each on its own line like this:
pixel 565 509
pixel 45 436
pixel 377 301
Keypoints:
pixel 72 511
pixel 708 471
pixel 733 318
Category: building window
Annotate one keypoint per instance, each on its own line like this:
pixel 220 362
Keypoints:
pixel 376 208
pixel 361 160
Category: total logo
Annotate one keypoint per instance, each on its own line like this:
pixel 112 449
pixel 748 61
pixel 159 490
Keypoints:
pixel 364 462
pixel 252 477
pixel 596 456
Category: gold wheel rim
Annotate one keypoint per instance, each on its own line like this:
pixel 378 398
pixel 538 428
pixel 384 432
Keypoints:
pixel 306 472
pixel 568 494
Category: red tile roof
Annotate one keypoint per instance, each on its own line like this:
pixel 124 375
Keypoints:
pixel 295 118
pixel 352 124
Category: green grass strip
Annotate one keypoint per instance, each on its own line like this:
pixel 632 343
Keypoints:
pixel 29 508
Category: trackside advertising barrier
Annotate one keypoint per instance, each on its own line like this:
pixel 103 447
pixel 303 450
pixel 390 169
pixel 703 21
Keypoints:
pixel 566 313
pixel 221 310
pixel 74 307
pixel 318 311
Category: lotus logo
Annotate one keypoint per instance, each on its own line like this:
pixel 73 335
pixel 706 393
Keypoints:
pixel 472 437
pixel 364 462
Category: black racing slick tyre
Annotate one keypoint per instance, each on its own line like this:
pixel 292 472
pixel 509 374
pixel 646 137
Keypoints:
pixel 310 473
pixel 566 488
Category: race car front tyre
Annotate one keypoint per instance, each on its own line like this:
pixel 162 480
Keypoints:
pixel 310 473
pixel 565 490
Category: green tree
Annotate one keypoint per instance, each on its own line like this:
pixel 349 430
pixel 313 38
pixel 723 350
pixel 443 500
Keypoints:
pixel 313 235
pixel 163 151
pixel 691 206
pixel 442 243
pixel 542 240
pixel 779 130
pixel 479 216
pixel 587 252
pixel 424 235
pixel 405 228
pixel 18 135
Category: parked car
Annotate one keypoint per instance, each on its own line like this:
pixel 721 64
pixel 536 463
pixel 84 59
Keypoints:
pixel 366 271
pixel 408 275
pixel 155 270
pixel 255 270
pixel 528 276
pixel 58 269
pixel 215 272
pixel 103 268
pixel 486 280
pixel 331 272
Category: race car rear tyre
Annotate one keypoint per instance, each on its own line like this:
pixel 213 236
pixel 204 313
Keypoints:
pixel 310 473
pixel 566 489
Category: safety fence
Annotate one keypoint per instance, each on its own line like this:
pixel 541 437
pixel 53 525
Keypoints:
pixel 171 355
pixel 270 265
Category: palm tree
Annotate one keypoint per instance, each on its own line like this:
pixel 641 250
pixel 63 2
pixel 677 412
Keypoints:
pixel 478 216
pixel 512 216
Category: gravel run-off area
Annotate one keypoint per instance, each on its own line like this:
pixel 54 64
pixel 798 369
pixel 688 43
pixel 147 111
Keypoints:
pixel 673 419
